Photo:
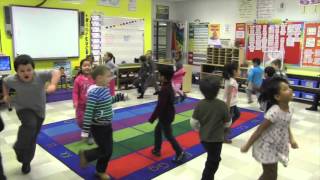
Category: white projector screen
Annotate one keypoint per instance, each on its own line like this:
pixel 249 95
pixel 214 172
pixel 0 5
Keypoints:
pixel 45 33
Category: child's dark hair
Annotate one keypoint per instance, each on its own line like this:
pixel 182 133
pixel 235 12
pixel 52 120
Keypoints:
pixel 99 71
pixel 256 61
pixel 273 88
pixel 167 72
pixel 277 62
pixel 81 63
pixel 90 58
pixel 61 68
pixel 111 56
pixel 270 71
pixel 209 87
pixel 228 70
pixel 143 58
pixel 23 59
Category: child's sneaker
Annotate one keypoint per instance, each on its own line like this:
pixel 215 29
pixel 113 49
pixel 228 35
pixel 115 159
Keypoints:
pixel 83 160
pixel 183 97
pixel 103 176
pixel 90 141
pixel 156 153
pixel 26 168
pixel 180 158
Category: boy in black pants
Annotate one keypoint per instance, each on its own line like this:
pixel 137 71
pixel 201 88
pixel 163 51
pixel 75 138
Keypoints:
pixel 97 121
pixel 165 112
pixel 30 104
pixel 2 176
pixel 210 116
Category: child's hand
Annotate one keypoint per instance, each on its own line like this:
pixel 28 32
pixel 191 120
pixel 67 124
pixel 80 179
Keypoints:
pixel 294 144
pixel 51 88
pixel 7 99
pixel 244 148
pixel 84 135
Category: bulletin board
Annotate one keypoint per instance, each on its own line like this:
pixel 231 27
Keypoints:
pixel 197 43
pixel 285 38
pixel 311 45
pixel 240 34
pixel 123 37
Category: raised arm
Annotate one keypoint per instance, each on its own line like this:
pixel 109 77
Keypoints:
pixel 54 81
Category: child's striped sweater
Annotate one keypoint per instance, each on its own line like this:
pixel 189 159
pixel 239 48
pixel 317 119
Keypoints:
pixel 98 108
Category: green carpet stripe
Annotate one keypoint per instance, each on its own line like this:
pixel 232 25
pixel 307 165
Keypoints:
pixel 187 113
pixel 139 142
pixel 147 139
pixel 126 133
pixel 119 150
pixel 134 143
pixel 147 127
pixel 79 145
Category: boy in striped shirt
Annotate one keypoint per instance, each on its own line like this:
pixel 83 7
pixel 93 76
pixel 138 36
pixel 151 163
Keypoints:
pixel 97 120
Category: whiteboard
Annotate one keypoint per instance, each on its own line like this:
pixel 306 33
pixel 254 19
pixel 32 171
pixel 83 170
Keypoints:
pixel 44 32
pixel 124 44
pixel 123 37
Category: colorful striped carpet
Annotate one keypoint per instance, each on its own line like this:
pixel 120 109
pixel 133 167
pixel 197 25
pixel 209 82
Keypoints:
pixel 133 141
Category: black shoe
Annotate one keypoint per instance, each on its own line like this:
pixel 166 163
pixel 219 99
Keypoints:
pixel 183 97
pixel 312 108
pixel 180 158
pixel 140 97
pixel 156 153
pixel 26 168
pixel 156 93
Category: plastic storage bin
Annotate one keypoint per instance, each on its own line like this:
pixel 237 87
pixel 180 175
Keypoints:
pixel 309 96
pixel 296 94
pixel 293 81
pixel 309 83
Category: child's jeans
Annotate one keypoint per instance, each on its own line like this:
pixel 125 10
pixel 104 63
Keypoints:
pixel 213 159
pixel 235 113
pixel 103 137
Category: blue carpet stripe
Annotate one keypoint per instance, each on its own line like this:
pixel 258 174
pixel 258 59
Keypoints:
pixel 67 128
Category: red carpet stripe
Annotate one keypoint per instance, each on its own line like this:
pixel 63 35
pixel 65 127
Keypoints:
pixel 244 117
pixel 128 164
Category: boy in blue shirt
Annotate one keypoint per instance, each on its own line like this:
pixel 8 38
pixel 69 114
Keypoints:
pixel 254 79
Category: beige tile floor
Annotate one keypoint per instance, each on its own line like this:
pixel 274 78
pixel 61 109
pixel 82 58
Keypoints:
pixel 304 162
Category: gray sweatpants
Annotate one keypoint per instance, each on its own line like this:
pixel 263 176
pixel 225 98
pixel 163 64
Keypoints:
pixel 25 145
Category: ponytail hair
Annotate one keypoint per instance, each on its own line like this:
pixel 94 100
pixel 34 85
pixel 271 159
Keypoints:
pixel 109 54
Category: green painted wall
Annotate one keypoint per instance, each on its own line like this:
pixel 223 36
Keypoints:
pixel 144 10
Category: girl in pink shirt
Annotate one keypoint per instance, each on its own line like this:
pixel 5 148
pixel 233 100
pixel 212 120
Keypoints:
pixel 80 87
pixel 177 78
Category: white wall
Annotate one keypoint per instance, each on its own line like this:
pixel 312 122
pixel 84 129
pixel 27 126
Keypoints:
pixel 227 12
pixel 214 11
pixel 294 12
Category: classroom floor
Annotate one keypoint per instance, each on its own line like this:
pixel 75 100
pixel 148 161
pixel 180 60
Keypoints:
pixel 304 162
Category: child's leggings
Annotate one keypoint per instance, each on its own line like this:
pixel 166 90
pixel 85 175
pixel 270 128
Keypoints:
pixel 269 172
pixel 177 88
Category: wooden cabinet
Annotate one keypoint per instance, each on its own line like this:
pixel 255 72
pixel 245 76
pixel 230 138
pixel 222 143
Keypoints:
pixel 126 74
